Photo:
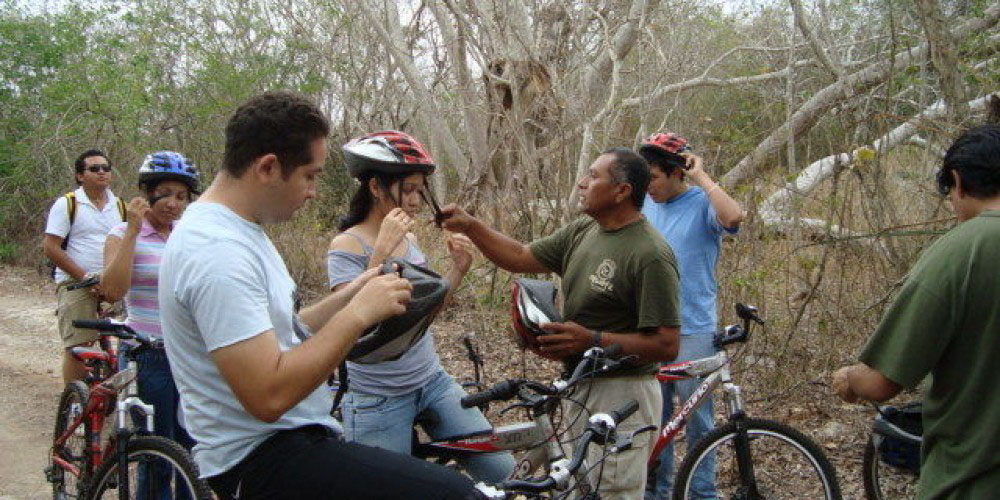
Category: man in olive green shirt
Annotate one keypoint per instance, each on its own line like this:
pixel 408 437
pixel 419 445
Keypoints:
pixel 620 283
pixel 946 323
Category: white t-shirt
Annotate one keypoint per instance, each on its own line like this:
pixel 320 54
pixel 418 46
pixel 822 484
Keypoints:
pixel 90 229
pixel 222 281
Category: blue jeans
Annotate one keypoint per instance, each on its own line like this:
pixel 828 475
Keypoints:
pixel 156 387
pixel 387 421
pixel 701 422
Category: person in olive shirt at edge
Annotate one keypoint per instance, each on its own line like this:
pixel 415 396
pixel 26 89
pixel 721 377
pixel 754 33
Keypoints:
pixel 620 283
pixel 945 323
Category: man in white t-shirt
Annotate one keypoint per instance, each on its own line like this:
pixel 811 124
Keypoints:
pixel 250 366
pixel 75 244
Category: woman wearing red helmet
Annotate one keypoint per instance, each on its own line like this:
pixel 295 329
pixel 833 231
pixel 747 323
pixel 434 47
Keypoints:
pixel 384 398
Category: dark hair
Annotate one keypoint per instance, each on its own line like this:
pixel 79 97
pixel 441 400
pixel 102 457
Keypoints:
pixel 79 163
pixel 148 187
pixel 975 155
pixel 663 160
pixel 361 202
pixel 283 123
pixel 630 168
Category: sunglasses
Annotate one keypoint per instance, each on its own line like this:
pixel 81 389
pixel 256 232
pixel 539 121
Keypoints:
pixel 97 168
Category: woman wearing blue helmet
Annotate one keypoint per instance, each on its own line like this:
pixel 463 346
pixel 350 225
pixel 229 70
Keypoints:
pixel 132 253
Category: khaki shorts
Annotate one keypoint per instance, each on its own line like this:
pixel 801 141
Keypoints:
pixel 75 304
pixel 623 475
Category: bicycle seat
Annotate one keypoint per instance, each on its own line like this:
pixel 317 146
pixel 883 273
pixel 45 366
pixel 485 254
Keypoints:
pixel 89 354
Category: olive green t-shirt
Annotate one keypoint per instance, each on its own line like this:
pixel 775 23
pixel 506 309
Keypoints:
pixel 946 323
pixel 623 280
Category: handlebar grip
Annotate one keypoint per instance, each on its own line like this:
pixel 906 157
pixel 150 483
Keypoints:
pixel 502 390
pixel 624 411
pixel 102 325
pixel 83 284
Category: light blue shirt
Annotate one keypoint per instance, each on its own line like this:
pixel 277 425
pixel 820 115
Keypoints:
pixel 692 229
pixel 222 282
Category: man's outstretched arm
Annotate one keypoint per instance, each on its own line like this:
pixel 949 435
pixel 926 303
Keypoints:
pixel 504 251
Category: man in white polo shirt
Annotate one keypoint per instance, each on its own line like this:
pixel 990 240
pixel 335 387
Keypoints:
pixel 77 225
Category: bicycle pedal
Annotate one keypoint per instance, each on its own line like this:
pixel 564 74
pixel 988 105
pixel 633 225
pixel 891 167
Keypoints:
pixel 53 474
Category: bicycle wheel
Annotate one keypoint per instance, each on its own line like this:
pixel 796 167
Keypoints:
pixel 158 468
pixel 786 464
pixel 65 484
pixel 883 481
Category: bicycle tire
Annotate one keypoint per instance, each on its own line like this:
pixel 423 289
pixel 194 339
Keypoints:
pixel 789 456
pixel 883 481
pixel 142 450
pixel 65 485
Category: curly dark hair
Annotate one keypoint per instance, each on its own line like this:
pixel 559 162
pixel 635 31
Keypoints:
pixel 975 155
pixel 283 123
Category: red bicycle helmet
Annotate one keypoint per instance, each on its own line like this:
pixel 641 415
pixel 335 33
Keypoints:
pixel 387 152
pixel 532 303
pixel 667 142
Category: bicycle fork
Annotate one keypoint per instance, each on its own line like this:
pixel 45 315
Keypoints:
pixel 123 435
pixel 741 442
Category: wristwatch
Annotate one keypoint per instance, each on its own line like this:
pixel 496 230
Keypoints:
pixel 597 338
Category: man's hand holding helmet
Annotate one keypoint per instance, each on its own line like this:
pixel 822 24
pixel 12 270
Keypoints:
pixel 565 339
pixel 382 297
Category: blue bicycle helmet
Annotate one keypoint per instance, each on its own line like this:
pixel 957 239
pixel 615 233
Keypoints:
pixel 168 165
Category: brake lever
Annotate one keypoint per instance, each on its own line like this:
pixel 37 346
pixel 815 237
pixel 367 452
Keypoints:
pixel 520 404
pixel 625 444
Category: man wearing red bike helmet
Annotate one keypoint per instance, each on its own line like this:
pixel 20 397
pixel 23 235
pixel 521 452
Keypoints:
pixel 692 213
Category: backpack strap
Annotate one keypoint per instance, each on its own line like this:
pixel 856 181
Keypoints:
pixel 121 208
pixel 71 210
pixel 71 206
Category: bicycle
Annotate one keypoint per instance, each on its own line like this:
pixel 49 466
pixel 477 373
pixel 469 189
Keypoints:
pixel 891 464
pixel 601 430
pixel 755 458
pixel 94 470
pixel 538 439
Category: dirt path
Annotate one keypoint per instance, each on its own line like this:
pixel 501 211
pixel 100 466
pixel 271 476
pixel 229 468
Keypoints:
pixel 30 382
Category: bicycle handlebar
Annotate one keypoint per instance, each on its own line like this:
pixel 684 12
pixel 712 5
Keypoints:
pixel 624 411
pixel 120 330
pixel 510 388
pixel 597 431
pixel 93 280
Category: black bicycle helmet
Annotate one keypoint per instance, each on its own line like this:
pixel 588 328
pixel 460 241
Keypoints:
pixel 390 339
pixel 387 152
pixel 532 303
